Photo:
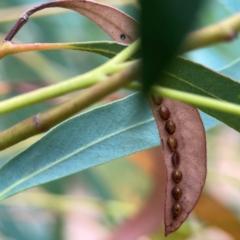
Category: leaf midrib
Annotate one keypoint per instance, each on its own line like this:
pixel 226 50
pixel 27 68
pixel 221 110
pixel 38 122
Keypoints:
pixel 192 85
pixel 71 155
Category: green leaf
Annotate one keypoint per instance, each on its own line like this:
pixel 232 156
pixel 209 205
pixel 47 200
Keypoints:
pixel 163 25
pixel 105 48
pixel 188 76
pixel 96 137
pixel 87 140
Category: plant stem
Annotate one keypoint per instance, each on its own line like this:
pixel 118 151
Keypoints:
pixel 46 120
pixel 196 100
pixel 223 31
pixel 52 91
pixel 8 48
pixel 24 18
pixel 73 84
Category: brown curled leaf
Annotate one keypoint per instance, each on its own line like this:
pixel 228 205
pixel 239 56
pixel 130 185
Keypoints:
pixel 118 25
pixel 184 151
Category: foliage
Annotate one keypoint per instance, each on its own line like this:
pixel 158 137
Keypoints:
pixel 110 131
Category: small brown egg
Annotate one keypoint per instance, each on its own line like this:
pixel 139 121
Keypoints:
pixel 157 99
pixel 176 210
pixel 164 113
pixel 177 193
pixel 172 143
pixel 176 159
pixel 170 126
pixel 177 176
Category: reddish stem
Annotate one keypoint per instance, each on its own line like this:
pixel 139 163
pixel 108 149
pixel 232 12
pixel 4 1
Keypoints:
pixel 24 18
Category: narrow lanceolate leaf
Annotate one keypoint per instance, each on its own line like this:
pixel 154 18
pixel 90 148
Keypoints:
pixel 164 23
pixel 118 25
pixel 188 76
pixel 96 137
pixel 106 48
pixel 184 149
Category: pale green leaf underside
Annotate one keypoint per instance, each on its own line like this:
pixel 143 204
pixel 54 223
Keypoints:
pixel 96 137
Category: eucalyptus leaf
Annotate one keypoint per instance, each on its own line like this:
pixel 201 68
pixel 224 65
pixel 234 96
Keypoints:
pixel 105 48
pixel 188 76
pixel 87 140
pixel 163 26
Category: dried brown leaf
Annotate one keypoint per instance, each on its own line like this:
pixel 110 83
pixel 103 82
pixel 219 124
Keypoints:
pixel 187 143
pixel 118 25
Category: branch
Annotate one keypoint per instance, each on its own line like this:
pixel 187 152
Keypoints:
pixel 24 18
pixel 42 122
pixel 223 31
pixel 73 84
pixel 46 120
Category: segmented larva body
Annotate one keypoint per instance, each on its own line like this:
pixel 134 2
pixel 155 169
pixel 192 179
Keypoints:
pixel 184 148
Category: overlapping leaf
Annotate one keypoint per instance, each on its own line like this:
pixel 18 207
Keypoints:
pixel 96 137
pixel 191 77
pixel 163 26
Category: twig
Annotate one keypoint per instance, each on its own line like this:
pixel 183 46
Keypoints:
pixel 73 84
pixel 223 31
pixel 46 120
pixel 24 18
